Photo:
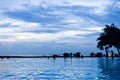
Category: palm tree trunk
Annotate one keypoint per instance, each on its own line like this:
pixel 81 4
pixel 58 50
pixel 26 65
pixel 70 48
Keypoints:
pixel 106 53
pixel 118 50
pixel 106 50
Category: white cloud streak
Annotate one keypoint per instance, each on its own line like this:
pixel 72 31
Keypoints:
pixel 19 31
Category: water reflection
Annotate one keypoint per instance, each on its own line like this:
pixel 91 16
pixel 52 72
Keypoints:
pixel 110 68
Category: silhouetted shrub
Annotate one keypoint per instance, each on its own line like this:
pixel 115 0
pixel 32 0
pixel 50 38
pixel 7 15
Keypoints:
pixel 55 55
pixel 66 55
pixel 116 55
pixel 70 55
pixel 92 54
pixel 82 56
pixel 77 54
pixel 99 54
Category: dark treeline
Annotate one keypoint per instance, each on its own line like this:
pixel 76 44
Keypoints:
pixel 67 55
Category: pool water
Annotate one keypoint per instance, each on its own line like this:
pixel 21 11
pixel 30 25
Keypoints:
pixel 60 69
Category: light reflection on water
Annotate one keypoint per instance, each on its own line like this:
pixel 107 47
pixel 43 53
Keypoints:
pixel 60 69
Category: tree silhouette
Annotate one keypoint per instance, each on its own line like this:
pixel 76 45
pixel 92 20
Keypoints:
pixel 110 37
pixel 66 55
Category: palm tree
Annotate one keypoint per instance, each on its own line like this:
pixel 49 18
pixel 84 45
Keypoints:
pixel 103 43
pixel 109 38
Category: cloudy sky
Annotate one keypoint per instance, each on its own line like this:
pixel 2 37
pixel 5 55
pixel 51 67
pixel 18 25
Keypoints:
pixel 40 27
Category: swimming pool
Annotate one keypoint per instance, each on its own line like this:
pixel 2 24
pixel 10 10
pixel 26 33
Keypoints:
pixel 60 69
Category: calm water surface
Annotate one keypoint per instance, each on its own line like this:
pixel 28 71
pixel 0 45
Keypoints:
pixel 60 69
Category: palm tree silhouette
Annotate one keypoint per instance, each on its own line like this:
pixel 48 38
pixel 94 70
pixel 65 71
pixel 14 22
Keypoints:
pixel 110 37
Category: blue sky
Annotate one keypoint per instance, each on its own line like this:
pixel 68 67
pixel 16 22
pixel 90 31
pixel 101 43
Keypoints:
pixel 43 27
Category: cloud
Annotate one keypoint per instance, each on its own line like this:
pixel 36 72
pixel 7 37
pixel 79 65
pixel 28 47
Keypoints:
pixel 95 7
pixel 44 37
pixel 69 29
pixel 63 17
pixel 13 5
pixel 9 24
pixel 22 31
